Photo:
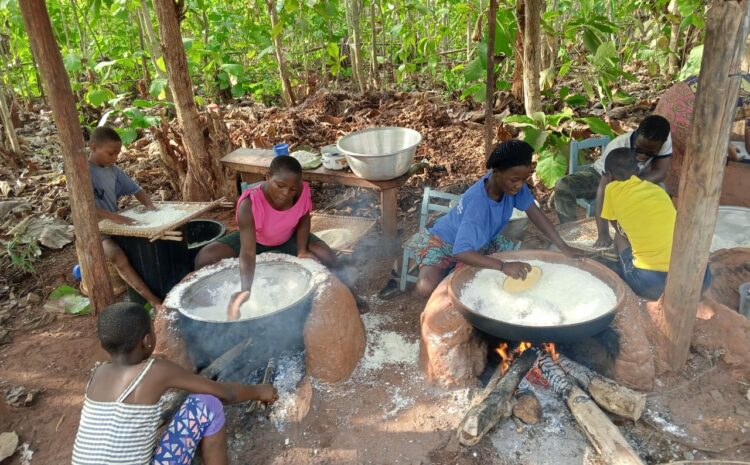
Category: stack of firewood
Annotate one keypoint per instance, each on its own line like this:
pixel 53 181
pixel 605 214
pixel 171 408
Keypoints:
pixel 583 390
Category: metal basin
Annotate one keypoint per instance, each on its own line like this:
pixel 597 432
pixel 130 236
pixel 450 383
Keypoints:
pixel 732 227
pixel 379 154
pixel 208 335
pixel 560 333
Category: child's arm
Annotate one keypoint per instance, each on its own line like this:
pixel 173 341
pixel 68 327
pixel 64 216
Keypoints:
pixel 144 199
pixel 543 223
pixel 246 224
pixel 303 237
pixel 602 225
pixel 473 258
pixel 103 214
pixel 173 376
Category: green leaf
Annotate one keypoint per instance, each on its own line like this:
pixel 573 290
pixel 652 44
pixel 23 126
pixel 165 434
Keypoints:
pixel 564 91
pixel 474 70
pixel 622 98
pixel 576 100
pixel 70 300
pixel 556 118
pixel 234 69
pixel 160 64
pixel 520 120
pixel 102 65
pixel 535 137
pixel 469 91
pixel 72 62
pixel 482 54
pixel 564 69
pixel 547 78
pixel 277 29
pixel 692 66
pixel 591 41
pixel 551 168
pixel 332 50
pixel 140 103
pixel 128 135
pixel 158 87
pixel 598 125
pixel 480 94
pixel 98 96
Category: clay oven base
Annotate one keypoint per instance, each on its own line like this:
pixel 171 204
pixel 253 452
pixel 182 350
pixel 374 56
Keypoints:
pixel 730 268
pixel 169 342
pixel 334 334
pixel 450 355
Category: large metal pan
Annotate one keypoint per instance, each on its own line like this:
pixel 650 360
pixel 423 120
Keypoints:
pixel 563 333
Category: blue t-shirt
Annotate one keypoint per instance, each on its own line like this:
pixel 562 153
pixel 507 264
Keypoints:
pixel 477 218
pixel 110 183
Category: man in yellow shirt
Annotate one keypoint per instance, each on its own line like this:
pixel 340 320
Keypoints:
pixel 644 217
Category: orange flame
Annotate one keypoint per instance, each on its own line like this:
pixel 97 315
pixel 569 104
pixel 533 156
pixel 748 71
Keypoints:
pixel 507 355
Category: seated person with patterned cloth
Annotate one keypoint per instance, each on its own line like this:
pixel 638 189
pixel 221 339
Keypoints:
pixel 472 229
pixel 652 143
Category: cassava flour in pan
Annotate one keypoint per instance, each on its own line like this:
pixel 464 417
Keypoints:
pixel 164 215
pixel 563 295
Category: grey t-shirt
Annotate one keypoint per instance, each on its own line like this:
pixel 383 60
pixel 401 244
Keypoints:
pixel 110 183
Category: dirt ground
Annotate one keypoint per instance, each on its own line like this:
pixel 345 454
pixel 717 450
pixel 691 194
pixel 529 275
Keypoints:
pixel 386 414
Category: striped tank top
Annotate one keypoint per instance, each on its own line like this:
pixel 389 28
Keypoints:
pixel 116 433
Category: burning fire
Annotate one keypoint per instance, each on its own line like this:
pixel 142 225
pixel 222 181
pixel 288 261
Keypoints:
pixel 507 355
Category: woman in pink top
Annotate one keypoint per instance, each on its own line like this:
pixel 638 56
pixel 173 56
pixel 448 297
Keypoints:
pixel 273 216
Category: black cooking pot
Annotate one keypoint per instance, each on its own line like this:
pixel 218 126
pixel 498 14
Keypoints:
pixel 206 338
pixel 562 333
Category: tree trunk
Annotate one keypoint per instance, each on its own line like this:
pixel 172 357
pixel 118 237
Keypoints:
pixel 142 43
pixel 517 85
pixel 702 174
pixel 88 241
pixel 5 117
pixel 673 62
pixel 531 57
pixel 353 20
pixel 373 52
pixel 489 101
pixel 204 179
pixel 286 85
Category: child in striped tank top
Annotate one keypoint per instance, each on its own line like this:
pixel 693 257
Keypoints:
pixel 122 404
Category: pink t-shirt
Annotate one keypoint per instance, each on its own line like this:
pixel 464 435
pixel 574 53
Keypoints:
pixel 274 227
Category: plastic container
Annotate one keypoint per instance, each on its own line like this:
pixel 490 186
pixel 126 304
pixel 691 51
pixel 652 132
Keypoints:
pixel 745 299
pixel 161 264
pixel 281 149
pixel 200 233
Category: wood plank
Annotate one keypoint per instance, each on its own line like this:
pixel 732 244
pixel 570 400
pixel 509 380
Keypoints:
pixel 389 212
pixel 601 432
pixel 702 173
pixel 62 101
pixel 257 161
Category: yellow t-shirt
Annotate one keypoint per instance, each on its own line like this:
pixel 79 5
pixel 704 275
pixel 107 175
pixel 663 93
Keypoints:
pixel 646 214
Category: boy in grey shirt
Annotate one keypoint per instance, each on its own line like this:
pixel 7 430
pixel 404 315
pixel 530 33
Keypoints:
pixel 110 183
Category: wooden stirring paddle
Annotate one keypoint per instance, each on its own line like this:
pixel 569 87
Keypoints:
pixel 514 286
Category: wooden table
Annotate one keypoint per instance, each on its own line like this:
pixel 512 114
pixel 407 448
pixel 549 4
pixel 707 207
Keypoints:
pixel 252 164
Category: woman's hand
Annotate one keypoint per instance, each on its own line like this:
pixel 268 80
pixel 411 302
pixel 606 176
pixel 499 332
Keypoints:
pixel 572 252
pixel 304 253
pixel 233 310
pixel 516 270
pixel 119 219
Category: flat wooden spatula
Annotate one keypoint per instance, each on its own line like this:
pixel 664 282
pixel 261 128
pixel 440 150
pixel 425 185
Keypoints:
pixel 514 286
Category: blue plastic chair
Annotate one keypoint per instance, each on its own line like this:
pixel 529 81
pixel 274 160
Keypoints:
pixel 432 201
pixel 573 166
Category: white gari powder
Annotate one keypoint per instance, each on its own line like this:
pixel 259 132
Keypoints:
pixel 267 295
pixel 264 299
pixel 386 347
pixel 563 295
pixel 732 229
pixel 162 216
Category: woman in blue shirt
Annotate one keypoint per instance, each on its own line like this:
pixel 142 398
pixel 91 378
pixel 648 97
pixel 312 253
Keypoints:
pixel 471 230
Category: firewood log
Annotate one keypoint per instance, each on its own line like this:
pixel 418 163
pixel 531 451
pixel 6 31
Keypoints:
pixel 496 405
pixel 611 396
pixel 601 432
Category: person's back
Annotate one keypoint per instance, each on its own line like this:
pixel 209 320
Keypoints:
pixel 122 405
pixel 646 214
